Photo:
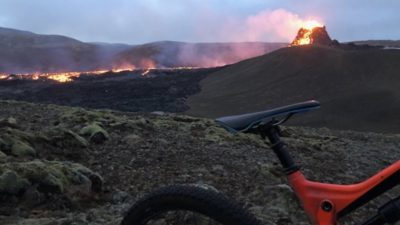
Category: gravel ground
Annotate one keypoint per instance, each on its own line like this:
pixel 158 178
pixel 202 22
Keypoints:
pixel 140 152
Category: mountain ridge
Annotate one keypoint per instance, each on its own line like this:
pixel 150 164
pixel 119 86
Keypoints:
pixel 28 52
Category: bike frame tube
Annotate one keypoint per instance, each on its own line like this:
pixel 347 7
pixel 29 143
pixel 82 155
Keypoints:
pixel 324 202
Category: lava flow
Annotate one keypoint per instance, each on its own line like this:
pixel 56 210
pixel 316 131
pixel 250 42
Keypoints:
pixel 305 36
pixel 61 77
pixel 64 77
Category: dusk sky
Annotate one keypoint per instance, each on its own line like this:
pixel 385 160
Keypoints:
pixel 141 21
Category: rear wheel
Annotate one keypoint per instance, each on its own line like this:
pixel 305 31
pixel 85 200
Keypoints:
pixel 187 205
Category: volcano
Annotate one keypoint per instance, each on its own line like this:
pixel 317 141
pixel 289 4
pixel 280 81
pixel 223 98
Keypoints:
pixel 314 35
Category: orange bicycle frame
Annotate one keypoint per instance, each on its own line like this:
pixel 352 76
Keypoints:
pixel 324 203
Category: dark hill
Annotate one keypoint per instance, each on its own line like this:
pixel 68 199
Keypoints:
pixel 174 54
pixel 27 52
pixel 358 89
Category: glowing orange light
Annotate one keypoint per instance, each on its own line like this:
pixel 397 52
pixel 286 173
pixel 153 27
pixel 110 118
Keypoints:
pixel 147 71
pixel 305 32
pixel 64 77
pixel 123 67
pixel 35 77
pixel 311 24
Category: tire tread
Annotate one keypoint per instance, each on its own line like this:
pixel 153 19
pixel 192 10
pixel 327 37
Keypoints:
pixel 189 197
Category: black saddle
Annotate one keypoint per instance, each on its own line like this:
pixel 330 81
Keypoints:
pixel 244 122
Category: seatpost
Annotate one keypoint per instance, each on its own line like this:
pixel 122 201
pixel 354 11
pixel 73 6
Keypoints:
pixel 279 148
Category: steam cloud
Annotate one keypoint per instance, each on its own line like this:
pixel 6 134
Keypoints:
pixel 275 25
pixel 220 54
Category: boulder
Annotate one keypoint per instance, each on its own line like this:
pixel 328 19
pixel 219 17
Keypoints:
pixel 61 137
pixel 20 148
pixel 12 183
pixel 48 177
pixel 9 122
pixel 94 133
pixel 15 142
pixel 3 157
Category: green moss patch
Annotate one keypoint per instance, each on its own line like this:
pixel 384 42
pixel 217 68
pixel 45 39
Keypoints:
pixel 49 176
pixel 94 133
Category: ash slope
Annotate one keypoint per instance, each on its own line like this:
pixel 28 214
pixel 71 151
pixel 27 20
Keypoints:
pixel 145 151
pixel 358 89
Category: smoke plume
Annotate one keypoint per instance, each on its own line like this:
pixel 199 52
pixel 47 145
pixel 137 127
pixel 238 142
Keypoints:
pixel 270 26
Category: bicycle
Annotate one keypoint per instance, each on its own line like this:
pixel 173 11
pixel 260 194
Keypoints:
pixel 323 203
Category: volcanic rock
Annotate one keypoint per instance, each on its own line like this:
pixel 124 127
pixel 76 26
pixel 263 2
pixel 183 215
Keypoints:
pixel 9 122
pixel 95 133
pixel 12 183
pixel 318 36
pixel 16 142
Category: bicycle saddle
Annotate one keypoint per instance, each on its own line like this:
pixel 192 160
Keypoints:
pixel 243 122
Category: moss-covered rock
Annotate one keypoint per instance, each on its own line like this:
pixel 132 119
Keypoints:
pixel 9 122
pixel 12 183
pixel 44 174
pixel 21 134
pixel 5 145
pixel 49 176
pixel 20 148
pixel 94 133
pixel 81 116
pixel 140 123
pixel 61 137
pixel 17 143
pixel 3 157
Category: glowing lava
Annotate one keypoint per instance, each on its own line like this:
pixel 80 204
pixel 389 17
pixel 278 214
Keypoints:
pixel 304 36
pixel 59 77
pixel 311 24
pixel 64 77
pixel 147 71
pixel 124 67
pixel 3 76
pixel 67 76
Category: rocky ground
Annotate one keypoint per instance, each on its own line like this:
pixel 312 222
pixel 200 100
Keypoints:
pixel 64 165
